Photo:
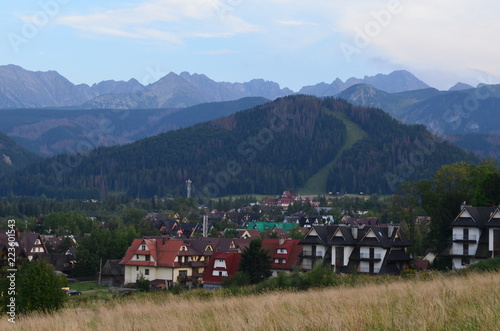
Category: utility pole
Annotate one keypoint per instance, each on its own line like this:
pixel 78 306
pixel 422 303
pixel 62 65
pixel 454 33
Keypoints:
pixel 100 270
pixel 188 183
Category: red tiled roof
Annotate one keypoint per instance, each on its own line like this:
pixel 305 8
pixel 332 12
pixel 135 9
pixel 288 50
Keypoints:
pixel 232 265
pixel 293 250
pixel 163 252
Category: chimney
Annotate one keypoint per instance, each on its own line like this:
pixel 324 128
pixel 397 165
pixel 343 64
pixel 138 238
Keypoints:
pixel 354 231
pixel 390 230
pixel 281 241
pixel 463 205
pixel 205 226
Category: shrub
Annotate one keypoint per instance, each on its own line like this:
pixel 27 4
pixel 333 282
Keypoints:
pixel 37 287
pixel 486 265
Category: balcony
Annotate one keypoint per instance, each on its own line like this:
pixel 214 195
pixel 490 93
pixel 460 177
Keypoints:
pixel 185 278
pixel 472 238
pixel 311 254
pixel 368 257
pixel 461 252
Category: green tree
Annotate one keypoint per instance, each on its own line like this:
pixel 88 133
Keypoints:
pixel 37 286
pixel 256 262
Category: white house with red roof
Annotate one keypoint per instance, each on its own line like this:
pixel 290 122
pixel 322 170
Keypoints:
pixel 169 261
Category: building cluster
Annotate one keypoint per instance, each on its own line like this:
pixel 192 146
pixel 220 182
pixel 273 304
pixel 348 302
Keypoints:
pixel 33 246
pixel 200 261
pixel 181 256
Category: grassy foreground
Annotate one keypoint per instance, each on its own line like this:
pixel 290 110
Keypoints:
pixel 468 302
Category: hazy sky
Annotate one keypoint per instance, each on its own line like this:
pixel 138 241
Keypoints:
pixel 291 42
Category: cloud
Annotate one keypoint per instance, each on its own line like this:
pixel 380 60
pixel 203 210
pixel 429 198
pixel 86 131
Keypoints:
pixel 163 20
pixel 444 35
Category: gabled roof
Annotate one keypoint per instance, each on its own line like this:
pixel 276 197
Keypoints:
pixel 232 265
pixel 319 235
pixel 29 240
pixel 113 268
pixel 261 226
pixel 163 252
pixel 342 236
pixel 473 216
pixel 292 255
pixel 494 220
pixel 249 233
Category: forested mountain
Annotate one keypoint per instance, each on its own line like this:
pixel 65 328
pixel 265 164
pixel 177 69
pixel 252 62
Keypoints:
pixel 272 147
pixel 467 117
pixel 54 131
pixel 13 156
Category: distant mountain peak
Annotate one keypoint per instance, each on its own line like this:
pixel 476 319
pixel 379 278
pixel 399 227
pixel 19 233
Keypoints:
pixel 396 81
pixel 460 87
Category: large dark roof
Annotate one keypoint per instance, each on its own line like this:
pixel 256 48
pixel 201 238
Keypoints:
pixel 479 216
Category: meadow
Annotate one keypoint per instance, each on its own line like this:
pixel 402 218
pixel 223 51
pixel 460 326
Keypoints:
pixel 466 302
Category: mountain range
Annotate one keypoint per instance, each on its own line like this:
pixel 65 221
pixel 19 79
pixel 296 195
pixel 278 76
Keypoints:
pixel 296 142
pixel 20 88
pixel 48 131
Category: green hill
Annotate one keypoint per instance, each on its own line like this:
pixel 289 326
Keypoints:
pixel 281 145
pixel 13 156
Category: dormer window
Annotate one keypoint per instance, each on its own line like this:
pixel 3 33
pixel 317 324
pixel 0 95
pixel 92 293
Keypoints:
pixel 209 248
pixel 143 247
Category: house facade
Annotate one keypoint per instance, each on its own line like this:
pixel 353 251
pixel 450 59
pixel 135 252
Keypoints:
pixel 475 236
pixel 220 266
pixel 365 249
pixel 174 261
pixel 284 254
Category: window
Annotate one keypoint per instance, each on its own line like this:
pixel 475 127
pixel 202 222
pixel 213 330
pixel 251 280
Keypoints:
pixel 148 257
pixel 146 272
pixel 137 256
pixel 137 268
pixel 466 234
pixel 276 260
pixel 183 272
pixel 466 249
pixel 339 256
pixel 143 247
pixel 496 243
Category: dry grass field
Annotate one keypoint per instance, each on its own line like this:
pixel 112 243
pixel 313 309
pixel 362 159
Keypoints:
pixel 467 302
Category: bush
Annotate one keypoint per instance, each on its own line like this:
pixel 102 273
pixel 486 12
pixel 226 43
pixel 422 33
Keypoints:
pixel 486 265
pixel 37 288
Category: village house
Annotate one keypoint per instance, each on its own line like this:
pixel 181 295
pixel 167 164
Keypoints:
pixel 220 266
pixel 172 261
pixel 475 236
pixel 374 250
pixel 284 254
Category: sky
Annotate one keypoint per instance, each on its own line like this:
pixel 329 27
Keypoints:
pixel 294 43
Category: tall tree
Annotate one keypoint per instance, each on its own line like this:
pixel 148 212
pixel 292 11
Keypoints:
pixel 256 262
